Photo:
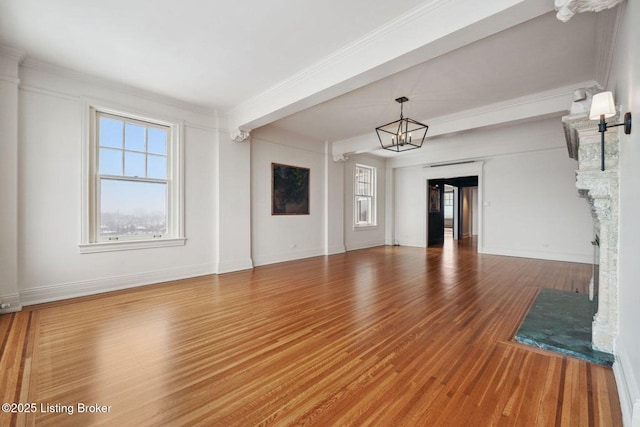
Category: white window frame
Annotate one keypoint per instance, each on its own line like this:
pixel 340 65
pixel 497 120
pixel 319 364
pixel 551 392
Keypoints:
pixel 372 222
pixel 90 242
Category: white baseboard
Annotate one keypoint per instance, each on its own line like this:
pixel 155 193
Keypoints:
pixel 235 265
pixel 62 291
pixel 552 256
pixel 14 303
pixel 289 256
pixel 335 250
pixel 364 245
pixel 628 388
pixel 413 243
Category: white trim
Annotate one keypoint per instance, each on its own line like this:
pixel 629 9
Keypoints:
pixel 364 227
pixel 175 150
pixel 538 105
pixel 10 80
pixel 14 303
pixel 474 168
pixel 390 48
pixel 66 73
pixel 90 248
pixel 335 250
pixel 63 291
pixel 10 60
pixel 412 243
pixel 607 29
pixel 628 388
pixel 234 265
pixel 551 256
pixel 17 54
pixel 49 92
pixel 292 256
pixel 373 199
pixel 365 245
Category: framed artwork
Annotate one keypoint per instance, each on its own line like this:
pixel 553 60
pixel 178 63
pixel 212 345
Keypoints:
pixel 289 190
pixel 434 199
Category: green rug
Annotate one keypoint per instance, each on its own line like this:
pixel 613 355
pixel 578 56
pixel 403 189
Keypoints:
pixel 561 321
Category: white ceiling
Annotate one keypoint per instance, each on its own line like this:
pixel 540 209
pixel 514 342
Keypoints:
pixel 222 55
pixel 536 56
pixel 211 53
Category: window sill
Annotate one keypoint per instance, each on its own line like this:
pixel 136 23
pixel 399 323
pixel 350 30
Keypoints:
pixel 364 227
pixel 90 248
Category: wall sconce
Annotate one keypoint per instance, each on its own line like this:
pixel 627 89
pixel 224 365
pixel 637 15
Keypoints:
pixel 603 107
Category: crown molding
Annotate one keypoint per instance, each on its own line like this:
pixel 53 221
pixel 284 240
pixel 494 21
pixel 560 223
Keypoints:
pixel 534 105
pixel 18 54
pixel 74 75
pixel 10 60
pixel 608 26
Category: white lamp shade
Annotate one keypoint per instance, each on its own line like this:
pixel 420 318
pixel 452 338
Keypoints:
pixel 602 104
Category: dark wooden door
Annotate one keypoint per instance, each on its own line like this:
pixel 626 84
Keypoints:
pixel 435 208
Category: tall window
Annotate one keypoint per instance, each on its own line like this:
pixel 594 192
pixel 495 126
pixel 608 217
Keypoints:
pixel 448 204
pixel 365 191
pixel 134 192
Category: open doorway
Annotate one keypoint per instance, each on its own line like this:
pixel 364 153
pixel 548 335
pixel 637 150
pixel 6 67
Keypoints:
pixel 450 194
pixel 452 209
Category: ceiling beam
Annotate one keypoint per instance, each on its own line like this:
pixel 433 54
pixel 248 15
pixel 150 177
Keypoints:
pixel 428 31
pixel 540 105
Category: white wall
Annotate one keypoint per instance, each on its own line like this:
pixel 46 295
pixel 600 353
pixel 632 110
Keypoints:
pixel 334 203
pixel 232 213
pixel 534 209
pixel 528 204
pixel 364 237
pixel 277 238
pixel 50 265
pixel 409 211
pixel 467 211
pixel 626 86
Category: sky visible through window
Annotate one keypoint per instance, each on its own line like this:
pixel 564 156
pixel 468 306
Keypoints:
pixel 132 150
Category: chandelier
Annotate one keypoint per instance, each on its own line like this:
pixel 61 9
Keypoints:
pixel 402 135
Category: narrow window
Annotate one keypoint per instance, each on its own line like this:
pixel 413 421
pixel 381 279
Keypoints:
pixel 364 191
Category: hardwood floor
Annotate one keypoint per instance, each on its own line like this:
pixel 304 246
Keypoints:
pixel 385 336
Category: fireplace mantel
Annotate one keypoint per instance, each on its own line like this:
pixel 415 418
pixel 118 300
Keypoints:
pixel 600 188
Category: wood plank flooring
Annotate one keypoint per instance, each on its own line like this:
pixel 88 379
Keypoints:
pixel 386 336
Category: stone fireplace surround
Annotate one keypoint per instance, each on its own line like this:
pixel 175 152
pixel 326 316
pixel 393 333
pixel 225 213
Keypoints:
pixel 600 188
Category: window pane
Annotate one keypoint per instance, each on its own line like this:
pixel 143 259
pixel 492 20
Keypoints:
pixel 363 181
pixel 157 143
pixel 110 132
pixel 110 162
pixel 156 167
pixel 363 210
pixel 134 164
pixel 132 208
pixel 134 137
pixel 448 212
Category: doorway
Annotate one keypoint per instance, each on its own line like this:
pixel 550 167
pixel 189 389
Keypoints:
pixel 452 209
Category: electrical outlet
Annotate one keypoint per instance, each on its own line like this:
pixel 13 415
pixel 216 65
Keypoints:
pixel 5 305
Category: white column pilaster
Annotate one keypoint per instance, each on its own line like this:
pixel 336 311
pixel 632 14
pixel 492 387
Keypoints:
pixel 9 81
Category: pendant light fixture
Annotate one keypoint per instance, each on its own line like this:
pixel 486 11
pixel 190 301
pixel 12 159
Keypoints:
pixel 402 135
